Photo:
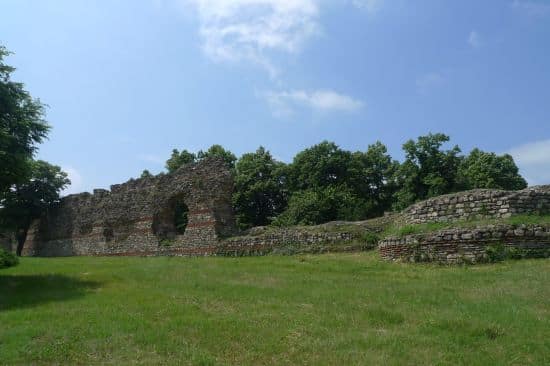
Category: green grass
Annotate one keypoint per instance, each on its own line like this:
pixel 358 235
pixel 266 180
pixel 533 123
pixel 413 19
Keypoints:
pixel 399 229
pixel 338 309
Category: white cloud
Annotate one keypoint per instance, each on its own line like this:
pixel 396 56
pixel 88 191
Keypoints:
pixel 532 8
pixel 371 6
pixel 250 30
pixel 76 181
pixel 474 39
pixel 429 81
pixel 533 159
pixel 284 102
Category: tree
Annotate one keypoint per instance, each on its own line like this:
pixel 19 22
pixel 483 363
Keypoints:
pixel 218 151
pixel 487 170
pixel 428 170
pixel 260 192
pixel 178 159
pixel 316 206
pixel 319 166
pixel 146 174
pixel 22 127
pixel 373 178
pixel 28 201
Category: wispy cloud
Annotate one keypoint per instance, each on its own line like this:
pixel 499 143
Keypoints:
pixel 474 39
pixel 251 30
pixel 532 8
pixel 77 182
pixel 429 81
pixel 533 160
pixel 284 103
pixel 371 6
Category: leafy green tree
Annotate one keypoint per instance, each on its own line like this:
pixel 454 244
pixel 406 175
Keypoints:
pixel 220 152
pixel 319 166
pixel 428 170
pixel 260 192
pixel 146 174
pixel 328 183
pixel 178 159
pixel 22 127
pixel 373 178
pixel 29 200
pixel 316 206
pixel 487 170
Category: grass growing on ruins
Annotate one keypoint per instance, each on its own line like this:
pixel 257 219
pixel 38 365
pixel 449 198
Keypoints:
pixel 320 309
pixel 400 229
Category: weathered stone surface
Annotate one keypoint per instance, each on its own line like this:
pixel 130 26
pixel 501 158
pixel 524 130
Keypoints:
pixel 137 217
pixel 467 244
pixel 479 203
pixel 7 242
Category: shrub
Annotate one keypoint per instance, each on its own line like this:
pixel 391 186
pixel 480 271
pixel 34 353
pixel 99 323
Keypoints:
pixel 7 259
pixel 496 252
pixel 499 252
pixel 371 239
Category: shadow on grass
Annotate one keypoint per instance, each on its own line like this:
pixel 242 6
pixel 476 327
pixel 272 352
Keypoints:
pixel 17 291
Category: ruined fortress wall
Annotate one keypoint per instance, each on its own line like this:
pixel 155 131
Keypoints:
pixel 479 203
pixel 136 217
pixel 467 244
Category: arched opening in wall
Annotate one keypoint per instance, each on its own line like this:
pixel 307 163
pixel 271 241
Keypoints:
pixel 181 217
pixel 171 220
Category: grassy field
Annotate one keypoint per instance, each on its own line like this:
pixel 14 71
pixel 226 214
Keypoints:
pixel 317 310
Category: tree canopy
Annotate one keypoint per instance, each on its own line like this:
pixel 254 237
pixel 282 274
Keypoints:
pixel 28 187
pixel 325 182
pixel 22 127
pixel 260 192
pixel 27 201
pixel 487 170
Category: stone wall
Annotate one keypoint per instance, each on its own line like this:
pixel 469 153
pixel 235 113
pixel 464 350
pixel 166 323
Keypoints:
pixel 480 203
pixel 467 244
pixel 7 242
pixel 137 217
pixel 329 237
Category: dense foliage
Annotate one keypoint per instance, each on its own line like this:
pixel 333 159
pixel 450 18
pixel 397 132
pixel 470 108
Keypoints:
pixel 325 182
pixel 22 127
pixel 260 192
pixel 28 200
pixel 178 159
pixel 28 187
pixel 7 259
pixel 488 170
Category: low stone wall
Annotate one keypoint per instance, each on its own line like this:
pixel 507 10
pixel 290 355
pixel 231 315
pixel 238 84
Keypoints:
pixel 479 203
pixel 290 241
pixel 467 244
pixel 329 237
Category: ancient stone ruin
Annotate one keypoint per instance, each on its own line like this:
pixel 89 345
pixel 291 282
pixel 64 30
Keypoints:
pixel 471 244
pixel 144 217
pixel 139 217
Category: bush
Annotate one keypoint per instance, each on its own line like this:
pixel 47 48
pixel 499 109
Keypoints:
pixel 317 206
pixel 7 259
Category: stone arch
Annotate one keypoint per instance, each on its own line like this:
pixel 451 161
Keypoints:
pixel 171 219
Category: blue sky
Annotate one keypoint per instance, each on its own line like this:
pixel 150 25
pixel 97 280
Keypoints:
pixel 127 81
